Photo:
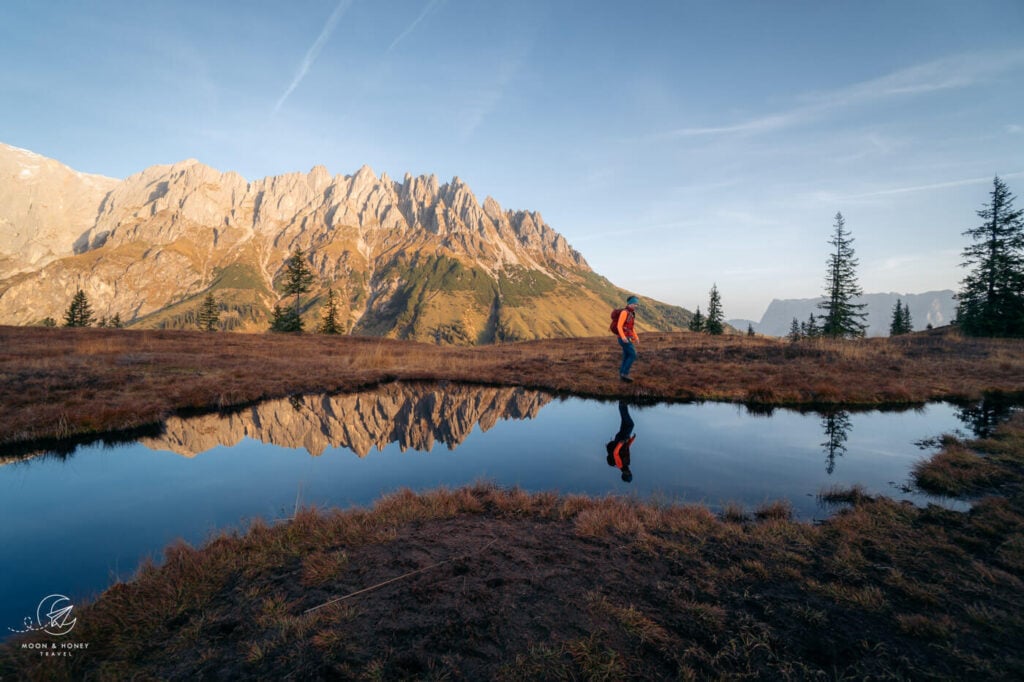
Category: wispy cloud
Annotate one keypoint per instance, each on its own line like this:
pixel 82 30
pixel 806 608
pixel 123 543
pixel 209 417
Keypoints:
pixel 314 51
pixel 487 98
pixel 956 72
pixel 925 188
pixel 427 11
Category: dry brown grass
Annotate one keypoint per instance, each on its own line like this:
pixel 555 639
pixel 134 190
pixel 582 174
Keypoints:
pixel 59 383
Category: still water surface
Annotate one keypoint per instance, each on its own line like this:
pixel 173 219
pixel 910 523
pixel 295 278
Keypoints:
pixel 74 525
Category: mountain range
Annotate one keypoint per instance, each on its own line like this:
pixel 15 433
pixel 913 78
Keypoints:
pixel 935 308
pixel 412 259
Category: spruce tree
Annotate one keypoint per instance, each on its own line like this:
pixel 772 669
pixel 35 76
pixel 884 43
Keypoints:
pixel 795 332
pixel 812 329
pixel 750 329
pixel 991 302
pixel 208 316
pixel 697 321
pixel 896 324
pixel 116 322
pixel 285 320
pixel 79 313
pixel 713 325
pixel 298 279
pixel 843 317
pixel 329 323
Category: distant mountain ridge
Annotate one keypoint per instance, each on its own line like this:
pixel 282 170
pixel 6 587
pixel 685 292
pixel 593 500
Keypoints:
pixel 936 308
pixel 415 259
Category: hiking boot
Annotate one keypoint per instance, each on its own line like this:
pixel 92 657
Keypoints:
pixel 625 378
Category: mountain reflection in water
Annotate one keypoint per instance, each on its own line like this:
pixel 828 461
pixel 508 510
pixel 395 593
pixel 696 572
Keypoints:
pixel 412 415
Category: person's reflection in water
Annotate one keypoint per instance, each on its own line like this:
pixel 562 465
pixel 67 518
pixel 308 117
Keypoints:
pixel 618 447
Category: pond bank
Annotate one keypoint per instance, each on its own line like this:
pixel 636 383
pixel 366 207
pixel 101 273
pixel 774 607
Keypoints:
pixel 60 384
pixel 481 582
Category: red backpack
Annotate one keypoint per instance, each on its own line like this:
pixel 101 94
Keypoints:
pixel 614 326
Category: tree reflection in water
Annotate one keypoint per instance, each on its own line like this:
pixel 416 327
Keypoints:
pixel 984 416
pixel 836 425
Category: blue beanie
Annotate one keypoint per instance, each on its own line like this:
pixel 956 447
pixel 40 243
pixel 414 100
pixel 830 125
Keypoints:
pixel 632 300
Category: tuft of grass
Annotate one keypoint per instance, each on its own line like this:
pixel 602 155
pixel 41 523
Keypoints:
pixel 956 471
pixel 733 512
pixel 838 495
pixel 780 510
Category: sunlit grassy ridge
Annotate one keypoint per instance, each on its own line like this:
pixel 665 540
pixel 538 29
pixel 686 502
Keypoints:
pixel 486 583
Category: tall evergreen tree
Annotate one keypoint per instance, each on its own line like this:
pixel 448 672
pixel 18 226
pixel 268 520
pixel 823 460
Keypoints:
pixel 298 279
pixel 901 322
pixel 329 323
pixel 810 328
pixel 79 313
pixel 750 329
pixel 896 323
pixel 714 324
pixel 285 320
pixel 208 316
pixel 843 317
pixel 697 321
pixel 991 302
pixel 795 331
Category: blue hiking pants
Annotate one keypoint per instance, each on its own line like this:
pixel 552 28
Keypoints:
pixel 628 357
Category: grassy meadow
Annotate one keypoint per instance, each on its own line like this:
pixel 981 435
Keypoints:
pixel 490 583
pixel 85 383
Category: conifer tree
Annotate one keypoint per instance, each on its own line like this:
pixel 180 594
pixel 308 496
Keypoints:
pixel 79 313
pixel 329 323
pixel 750 329
pixel 843 317
pixel 812 327
pixel 49 322
pixel 116 322
pixel 298 279
pixel 697 321
pixel 285 320
pixel 901 322
pixel 713 325
pixel 795 332
pixel 991 302
pixel 208 316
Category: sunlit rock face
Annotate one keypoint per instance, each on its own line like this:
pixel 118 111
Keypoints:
pixel 414 416
pixel 415 259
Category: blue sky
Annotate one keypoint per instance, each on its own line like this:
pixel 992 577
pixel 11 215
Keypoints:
pixel 675 144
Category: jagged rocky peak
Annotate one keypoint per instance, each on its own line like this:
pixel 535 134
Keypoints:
pixel 45 209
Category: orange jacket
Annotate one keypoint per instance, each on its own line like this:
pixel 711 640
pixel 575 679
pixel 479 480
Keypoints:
pixel 625 325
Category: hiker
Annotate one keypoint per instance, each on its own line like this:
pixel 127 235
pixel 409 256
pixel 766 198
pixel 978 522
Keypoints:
pixel 618 447
pixel 627 337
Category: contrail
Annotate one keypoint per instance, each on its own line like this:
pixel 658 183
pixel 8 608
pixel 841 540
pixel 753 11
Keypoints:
pixel 423 15
pixel 314 51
